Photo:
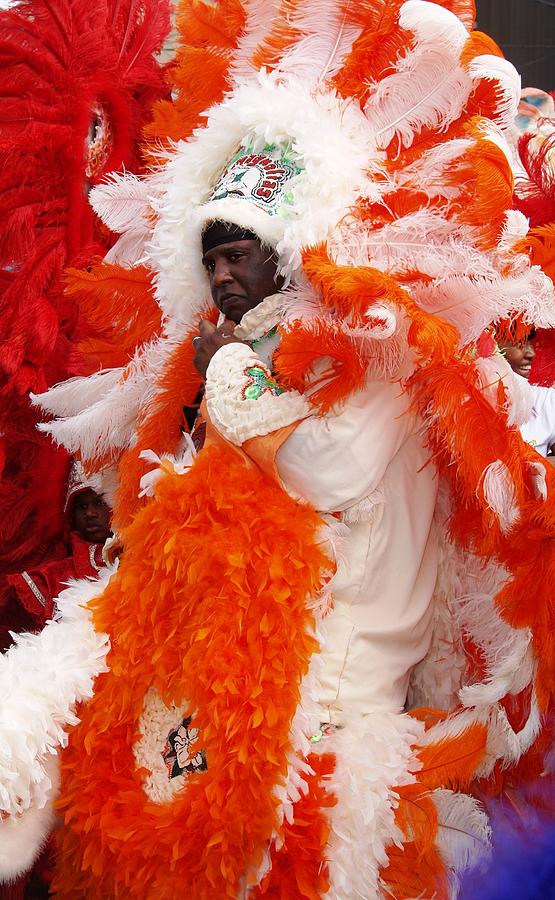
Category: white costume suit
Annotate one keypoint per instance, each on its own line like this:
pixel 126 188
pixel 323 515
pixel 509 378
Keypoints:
pixel 364 464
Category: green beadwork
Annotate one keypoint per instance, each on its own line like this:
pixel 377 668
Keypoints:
pixel 260 383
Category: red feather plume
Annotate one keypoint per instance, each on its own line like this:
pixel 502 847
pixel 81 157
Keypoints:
pixel 78 83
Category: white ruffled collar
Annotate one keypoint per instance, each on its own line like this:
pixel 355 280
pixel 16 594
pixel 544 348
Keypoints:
pixel 259 321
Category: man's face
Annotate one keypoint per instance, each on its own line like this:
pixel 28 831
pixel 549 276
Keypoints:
pixel 241 275
pixel 519 357
pixel 90 516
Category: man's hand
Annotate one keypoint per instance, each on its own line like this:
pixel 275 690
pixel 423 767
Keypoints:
pixel 209 341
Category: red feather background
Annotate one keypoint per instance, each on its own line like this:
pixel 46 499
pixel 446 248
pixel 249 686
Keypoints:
pixel 78 81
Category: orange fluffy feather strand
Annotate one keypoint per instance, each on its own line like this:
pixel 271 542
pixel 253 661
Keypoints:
pixel 415 869
pixel 160 431
pixel 466 435
pixel 539 244
pixel 208 37
pixel 209 608
pixel 351 292
pixel 297 870
pixel 411 873
pixel 280 38
pixel 485 181
pixel 377 49
pixel 464 429
pixel 452 762
pixel 119 310
pixel 301 346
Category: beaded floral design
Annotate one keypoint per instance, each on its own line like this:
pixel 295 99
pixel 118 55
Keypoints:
pixel 260 382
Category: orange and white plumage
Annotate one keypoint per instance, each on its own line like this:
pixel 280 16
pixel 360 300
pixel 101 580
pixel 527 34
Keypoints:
pixel 402 248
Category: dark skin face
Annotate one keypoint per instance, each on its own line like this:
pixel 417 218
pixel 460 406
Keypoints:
pixel 90 517
pixel 242 274
pixel 519 357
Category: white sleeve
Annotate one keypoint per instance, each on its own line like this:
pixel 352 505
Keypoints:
pixel 242 398
pixel 334 462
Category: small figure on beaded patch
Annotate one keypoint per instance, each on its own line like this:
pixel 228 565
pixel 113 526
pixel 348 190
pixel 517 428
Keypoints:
pixel 177 753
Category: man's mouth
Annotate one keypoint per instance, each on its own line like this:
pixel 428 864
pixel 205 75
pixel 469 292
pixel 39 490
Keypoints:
pixel 524 371
pixel 229 301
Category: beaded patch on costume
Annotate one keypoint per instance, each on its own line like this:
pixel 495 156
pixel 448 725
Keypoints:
pixel 178 756
pixel 326 729
pixel 260 383
pixel 164 751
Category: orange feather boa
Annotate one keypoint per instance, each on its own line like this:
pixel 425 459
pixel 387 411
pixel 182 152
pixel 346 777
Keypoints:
pixel 208 607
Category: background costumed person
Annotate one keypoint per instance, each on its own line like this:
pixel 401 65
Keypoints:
pixel 27 599
pixel 533 138
pixel 212 751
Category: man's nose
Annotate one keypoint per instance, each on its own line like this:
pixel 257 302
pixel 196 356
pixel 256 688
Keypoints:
pixel 529 352
pixel 91 511
pixel 221 274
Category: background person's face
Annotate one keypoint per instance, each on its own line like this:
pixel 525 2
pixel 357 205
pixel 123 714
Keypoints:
pixel 241 275
pixel 519 357
pixel 90 516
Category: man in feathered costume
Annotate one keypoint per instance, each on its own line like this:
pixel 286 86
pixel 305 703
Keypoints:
pixel 322 644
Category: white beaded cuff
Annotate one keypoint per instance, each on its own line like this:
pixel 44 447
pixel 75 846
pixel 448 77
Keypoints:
pixel 242 398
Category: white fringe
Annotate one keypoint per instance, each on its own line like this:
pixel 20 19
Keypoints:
pixel 373 756
pixel 23 837
pixel 500 495
pixel 464 834
pixel 42 678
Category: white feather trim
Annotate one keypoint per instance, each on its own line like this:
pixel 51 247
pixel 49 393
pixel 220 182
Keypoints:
pixel 108 425
pixel 507 651
pixel 374 755
pixel 434 25
pixel 495 370
pixel 464 833
pixel 42 678
pixel 259 18
pixel 499 493
pixel 325 40
pixel 74 395
pixel 121 201
pixel 508 84
pixel 130 249
pixel 430 91
pixel 515 229
pixel 471 302
pixel 22 837
pixel 538 479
